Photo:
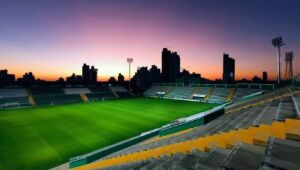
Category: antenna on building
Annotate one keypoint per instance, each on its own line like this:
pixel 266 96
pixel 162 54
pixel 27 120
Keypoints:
pixel 277 42
pixel 289 56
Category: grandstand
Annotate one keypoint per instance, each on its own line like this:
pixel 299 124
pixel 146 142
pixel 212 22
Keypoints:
pixel 13 92
pixel 212 93
pixel 53 95
pixel 258 133
pixel 13 97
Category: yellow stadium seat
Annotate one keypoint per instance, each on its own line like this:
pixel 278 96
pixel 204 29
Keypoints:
pixel 292 129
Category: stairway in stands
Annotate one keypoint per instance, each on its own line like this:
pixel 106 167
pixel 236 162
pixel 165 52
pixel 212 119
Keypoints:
pixel 196 90
pixel 84 97
pixel 231 94
pixel 114 92
pixel 30 97
pixel 169 90
pixel 210 91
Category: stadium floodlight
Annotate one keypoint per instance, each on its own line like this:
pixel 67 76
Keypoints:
pixel 277 42
pixel 289 56
pixel 129 61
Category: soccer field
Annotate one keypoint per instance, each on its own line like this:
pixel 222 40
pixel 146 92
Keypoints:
pixel 43 137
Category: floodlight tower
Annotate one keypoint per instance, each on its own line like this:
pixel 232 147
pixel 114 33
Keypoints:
pixel 277 42
pixel 289 56
pixel 129 61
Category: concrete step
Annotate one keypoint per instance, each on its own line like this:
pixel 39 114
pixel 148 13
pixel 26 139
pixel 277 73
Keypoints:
pixel 282 154
pixel 244 156
pixel 215 157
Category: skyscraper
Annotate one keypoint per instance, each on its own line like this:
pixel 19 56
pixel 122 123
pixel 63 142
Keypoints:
pixel 89 75
pixel 154 74
pixel 86 75
pixel 265 77
pixel 6 78
pixel 228 69
pixel 170 65
pixel 141 79
pixel 121 78
pixel 93 72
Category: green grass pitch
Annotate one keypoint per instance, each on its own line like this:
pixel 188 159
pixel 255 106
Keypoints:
pixel 44 137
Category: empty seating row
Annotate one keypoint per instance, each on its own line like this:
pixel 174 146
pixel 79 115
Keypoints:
pixel 56 99
pixel 180 92
pixel 240 92
pixel 13 102
pixel 100 96
pixel 77 90
pixel 119 89
pixel 155 89
pixel 15 92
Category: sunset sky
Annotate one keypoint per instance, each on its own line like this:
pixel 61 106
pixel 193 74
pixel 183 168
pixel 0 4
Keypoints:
pixel 54 38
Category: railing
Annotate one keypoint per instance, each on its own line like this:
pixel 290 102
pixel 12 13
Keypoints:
pixel 296 107
pixel 169 84
pixel 238 85
pixel 192 121
pixel 93 156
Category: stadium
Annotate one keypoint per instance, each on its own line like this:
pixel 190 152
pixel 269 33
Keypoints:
pixel 214 130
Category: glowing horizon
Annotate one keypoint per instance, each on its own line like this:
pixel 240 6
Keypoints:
pixel 53 39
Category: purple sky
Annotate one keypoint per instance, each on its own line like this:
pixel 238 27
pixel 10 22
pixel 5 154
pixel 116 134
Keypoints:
pixel 54 38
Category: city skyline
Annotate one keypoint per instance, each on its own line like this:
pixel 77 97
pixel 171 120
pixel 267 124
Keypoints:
pixel 53 39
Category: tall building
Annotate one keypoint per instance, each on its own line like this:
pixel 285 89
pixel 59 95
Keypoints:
pixel 170 65
pixel 228 69
pixel 86 75
pixel 121 78
pixel 256 79
pixel 89 75
pixel 154 74
pixel 112 80
pixel 93 74
pixel 184 77
pixel 265 77
pixel 28 78
pixel 74 79
pixel 195 78
pixel 141 79
pixel 6 78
